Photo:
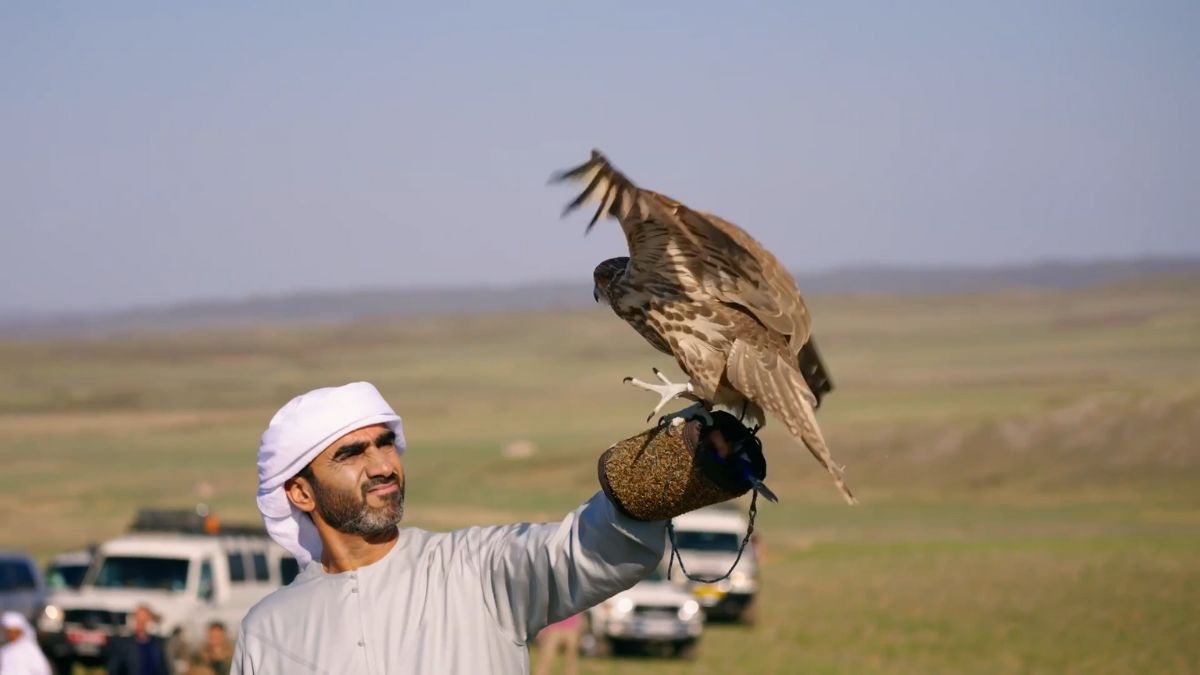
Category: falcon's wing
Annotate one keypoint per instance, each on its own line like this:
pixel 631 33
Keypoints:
pixel 726 261
pixel 773 383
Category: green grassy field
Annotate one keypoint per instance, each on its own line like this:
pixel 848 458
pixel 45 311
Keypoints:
pixel 1027 462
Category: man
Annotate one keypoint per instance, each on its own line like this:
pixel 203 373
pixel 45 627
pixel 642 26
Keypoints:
pixel 20 654
pixel 216 656
pixel 375 598
pixel 142 653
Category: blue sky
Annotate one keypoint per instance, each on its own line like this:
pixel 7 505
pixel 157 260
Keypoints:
pixel 160 152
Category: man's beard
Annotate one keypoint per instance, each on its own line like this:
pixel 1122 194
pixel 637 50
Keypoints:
pixel 350 515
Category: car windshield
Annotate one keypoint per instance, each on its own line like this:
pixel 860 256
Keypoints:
pixel 16 575
pixel 161 574
pixel 708 541
pixel 59 577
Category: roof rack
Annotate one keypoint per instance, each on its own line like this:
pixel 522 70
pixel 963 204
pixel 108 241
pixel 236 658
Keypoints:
pixel 191 521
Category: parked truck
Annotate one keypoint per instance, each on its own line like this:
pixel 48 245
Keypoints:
pixel 653 613
pixel 22 588
pixel 186 566
pixel 708 540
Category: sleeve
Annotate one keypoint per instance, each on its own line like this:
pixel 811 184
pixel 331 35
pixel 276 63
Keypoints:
pixel 243 664
pixel 536 574
pixel 41 665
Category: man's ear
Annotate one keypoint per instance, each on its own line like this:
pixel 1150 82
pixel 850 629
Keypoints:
pixel 300 493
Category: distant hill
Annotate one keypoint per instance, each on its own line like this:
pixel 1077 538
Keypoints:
pixel 956 279
pixel 344 306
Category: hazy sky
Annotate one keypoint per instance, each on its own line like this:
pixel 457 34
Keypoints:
pixel 166 151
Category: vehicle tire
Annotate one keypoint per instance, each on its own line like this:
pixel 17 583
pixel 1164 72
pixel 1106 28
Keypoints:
pixel 685 649
pixel 63 665
pixel 749 614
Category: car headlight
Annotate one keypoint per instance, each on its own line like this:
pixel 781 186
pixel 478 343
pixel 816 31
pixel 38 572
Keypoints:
pixel 689 610
pixel 740 580
pixel 51 619
pixel 623 606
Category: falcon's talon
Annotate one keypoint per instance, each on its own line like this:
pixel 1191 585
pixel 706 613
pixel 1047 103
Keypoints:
pixel 667 391
pixel 685 415
pixel 671 423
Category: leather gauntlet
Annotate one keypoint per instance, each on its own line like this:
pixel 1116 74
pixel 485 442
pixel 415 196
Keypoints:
pixel 669 470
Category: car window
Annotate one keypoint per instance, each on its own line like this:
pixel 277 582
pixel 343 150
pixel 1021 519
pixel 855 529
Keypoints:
pixel 237 567
pixel 288 569
pixel 16 575
pixel 708 541
pixel 206 581
pixel 261 571
pixel 59 577
pixel 162 574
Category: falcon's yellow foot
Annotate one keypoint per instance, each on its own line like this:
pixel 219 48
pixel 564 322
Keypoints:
pixel 668 391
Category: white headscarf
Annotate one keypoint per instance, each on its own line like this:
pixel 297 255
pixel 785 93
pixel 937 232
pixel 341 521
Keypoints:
pixel 298 433
pixel 22 656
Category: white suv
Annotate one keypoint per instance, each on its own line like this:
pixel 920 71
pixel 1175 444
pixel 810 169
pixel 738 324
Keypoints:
pixel 708 540
pixel 188 579
pixel 655 611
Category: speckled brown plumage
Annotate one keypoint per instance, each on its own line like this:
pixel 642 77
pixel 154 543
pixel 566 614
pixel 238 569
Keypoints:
pixel 701 289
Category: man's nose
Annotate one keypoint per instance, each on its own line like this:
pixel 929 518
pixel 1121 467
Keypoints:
pixel 382 461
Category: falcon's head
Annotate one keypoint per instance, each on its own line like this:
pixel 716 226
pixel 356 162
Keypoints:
pixel 606 274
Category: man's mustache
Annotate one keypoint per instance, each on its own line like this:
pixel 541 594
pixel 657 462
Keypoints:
pixel 380 481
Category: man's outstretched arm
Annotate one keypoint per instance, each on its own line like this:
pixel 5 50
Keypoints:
pixel 535 574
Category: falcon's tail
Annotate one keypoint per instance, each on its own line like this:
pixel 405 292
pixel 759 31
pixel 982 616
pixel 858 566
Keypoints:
pixel 806 429
pixel 610 187
pixel 779 387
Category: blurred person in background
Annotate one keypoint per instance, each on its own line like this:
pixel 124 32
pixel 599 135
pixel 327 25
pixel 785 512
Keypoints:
pixel 20 654
pixel 142 653
pixel 562 636
pixel 373 597
pixel 216 656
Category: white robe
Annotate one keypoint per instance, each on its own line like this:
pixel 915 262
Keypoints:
pixel 22 656
pixel 468 601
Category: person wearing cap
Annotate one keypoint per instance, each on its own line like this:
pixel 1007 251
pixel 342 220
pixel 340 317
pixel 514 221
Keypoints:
pixel 19 653
pixel 373 597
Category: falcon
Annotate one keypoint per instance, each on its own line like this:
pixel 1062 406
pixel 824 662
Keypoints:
pixel 702 290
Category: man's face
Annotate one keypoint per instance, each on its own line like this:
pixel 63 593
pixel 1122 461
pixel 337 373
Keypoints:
pixel 11 634
pixel 216 636
pixel 141 619
pixel 358 482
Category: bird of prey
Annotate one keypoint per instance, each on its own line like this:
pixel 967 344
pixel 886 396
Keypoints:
pixel 702 290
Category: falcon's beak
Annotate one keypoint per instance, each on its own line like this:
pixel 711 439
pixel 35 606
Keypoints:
pixel 596 293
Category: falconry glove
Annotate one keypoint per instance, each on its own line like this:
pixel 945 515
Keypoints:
pixel 672 469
